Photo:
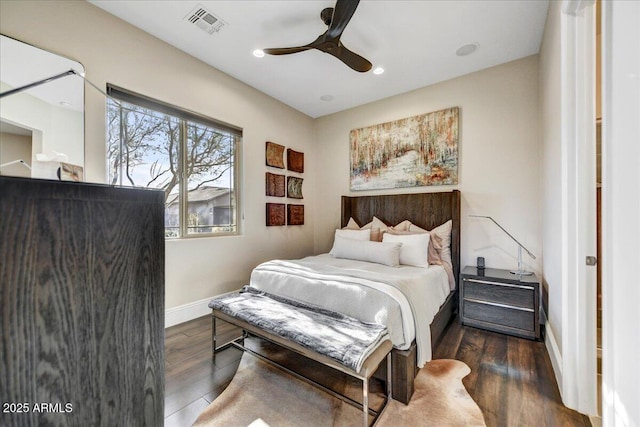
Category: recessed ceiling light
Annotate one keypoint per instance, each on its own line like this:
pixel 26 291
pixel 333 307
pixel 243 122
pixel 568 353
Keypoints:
pixel 467 49
pixel 65 104
pixel 378 70
pixel 258 53
pixel 326 97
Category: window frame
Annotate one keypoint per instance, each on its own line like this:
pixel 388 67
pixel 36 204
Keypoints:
pixel 187 118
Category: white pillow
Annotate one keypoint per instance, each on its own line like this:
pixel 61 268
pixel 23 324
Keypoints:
pixel 414 250
pixel 353 234
pixel 443 231
pixel 365 250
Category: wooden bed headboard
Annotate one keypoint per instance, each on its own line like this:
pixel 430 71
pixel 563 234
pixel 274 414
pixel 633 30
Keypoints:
pixel 426 210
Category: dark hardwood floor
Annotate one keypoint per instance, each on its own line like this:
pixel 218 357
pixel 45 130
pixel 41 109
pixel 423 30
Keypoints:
pixel 511 378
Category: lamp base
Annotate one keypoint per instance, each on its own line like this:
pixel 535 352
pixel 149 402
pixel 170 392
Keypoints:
pixel 521 273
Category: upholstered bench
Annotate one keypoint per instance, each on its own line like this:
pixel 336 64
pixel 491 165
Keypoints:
pixel 335 340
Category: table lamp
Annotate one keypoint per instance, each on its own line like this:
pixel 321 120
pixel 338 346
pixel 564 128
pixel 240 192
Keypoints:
pixel 520 271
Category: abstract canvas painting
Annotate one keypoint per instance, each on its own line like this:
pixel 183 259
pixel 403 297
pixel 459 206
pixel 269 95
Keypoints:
pixel 415 151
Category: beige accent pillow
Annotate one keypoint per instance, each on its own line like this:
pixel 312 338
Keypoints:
pixel 435 246
pixel 351 225
pixel 403 226
pixel 353 234
pixel 376 226
pixel 376 223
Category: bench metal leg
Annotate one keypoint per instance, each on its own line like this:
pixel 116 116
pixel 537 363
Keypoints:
pixel 389 385
pixel 365 401
pixel 214 339
pixel 365 395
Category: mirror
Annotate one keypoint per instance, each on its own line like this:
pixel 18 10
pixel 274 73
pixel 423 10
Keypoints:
pixel 43 125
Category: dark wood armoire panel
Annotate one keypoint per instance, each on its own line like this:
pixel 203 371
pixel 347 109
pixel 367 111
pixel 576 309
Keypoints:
pixel 82 287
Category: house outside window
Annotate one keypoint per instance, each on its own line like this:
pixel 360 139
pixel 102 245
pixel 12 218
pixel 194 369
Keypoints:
pixel 193 159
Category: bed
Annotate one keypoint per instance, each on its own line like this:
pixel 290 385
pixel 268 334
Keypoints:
pixel 327 281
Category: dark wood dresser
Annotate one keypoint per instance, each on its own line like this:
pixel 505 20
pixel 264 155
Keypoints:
pixel 500 301
pixel 82 297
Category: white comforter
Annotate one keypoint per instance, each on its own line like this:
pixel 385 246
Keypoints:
pixel 405 299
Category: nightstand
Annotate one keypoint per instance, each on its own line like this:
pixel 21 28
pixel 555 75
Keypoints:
pixel 499 301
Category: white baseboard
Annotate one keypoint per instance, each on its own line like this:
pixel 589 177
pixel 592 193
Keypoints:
pixel 554 354
pixel 183 313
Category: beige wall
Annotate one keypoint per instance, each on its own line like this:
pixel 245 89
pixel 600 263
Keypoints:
pixel 551 167
pixel 499 172
pixel 15 147
pixel 116 52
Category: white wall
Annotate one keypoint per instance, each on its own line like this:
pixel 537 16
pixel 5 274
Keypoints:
pixel 116 52
pixel 551 167
pixel 499 171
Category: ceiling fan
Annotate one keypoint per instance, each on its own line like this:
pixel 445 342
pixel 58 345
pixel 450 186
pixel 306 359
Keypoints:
pixel 329 42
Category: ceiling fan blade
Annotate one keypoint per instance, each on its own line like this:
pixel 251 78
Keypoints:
pixel 286 50
pixel 342 13
pixel 350 58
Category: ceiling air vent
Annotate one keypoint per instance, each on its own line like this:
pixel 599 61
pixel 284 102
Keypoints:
pixel 205 20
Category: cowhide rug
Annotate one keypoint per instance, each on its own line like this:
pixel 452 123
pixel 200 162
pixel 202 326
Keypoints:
pixel 262 395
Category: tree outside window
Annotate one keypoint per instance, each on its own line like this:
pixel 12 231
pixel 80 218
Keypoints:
pixel 193 162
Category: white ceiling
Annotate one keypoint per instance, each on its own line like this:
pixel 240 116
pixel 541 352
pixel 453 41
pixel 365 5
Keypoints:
pixel 415 42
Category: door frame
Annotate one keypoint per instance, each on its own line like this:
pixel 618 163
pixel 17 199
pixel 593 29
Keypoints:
pixel 579 354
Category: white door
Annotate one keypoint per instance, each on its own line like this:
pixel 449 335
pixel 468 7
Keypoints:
pixel 579 355
pixel 621 213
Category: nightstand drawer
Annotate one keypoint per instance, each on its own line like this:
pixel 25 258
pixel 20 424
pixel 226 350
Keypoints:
pixel 498 314
pixel 515 295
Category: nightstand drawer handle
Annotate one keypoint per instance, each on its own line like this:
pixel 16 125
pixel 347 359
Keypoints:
pixel 495 304
pixel 499 284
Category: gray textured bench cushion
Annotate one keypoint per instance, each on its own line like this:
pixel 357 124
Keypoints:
pixel 342 338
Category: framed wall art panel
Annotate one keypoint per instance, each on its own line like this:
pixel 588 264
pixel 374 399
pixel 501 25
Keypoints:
pixel 276 214
pixel 294 187
pixel 274 184
pixel 274 155
pixel 295 214
pixel 295 161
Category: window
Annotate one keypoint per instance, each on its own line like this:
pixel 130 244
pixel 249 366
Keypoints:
pixel 191 158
